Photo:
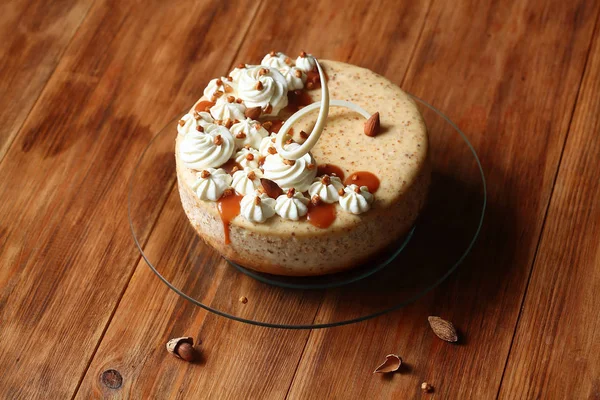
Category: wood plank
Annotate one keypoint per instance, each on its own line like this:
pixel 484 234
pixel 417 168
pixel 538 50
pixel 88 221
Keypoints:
pixel 239 361
pixel 65 246
pixel 33 37
pixel 556 351
pixel 508 74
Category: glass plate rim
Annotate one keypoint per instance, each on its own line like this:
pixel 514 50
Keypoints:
pixel 402 304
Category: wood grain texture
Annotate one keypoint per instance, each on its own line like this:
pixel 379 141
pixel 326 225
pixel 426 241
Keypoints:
pixel 556 351
pixel 489 67
pixel 65 248
pixel 34 35
pixel 239 361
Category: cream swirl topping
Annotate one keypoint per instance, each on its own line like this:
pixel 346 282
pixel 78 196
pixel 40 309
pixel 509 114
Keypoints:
pixel 247 180
pixel 297 174
pixel 186 124
pixel 294 77
pixel 267 143
pixel 356 200
pixel 236 72
pixel 211 183
pixel 305 62
pixel 222 85
pixel 201 150
pixel 327 188
pixel 257 207
pixel 277 60
pixel 248 132
pixel 263 87
pixel 225 109
pixel 247 157
pixel 291 205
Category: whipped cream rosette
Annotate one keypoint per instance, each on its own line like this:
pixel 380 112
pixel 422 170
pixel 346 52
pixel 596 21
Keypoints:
pixel 247 180
pixel 259 86
pixel 257 207
pixel 356 200
pixel 201 150
pixel 211 183
pixel 291 205
pixel 248 132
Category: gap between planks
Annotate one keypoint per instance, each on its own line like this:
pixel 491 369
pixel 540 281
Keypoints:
pixel 552 190
pixel 138 259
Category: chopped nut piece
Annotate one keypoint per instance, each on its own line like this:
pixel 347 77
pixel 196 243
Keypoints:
pixel 268 109
pixel 228 89
pixel 357 189
pixel 218 140
pixel 219 82
pixel 289 162
pixel 228 192
pixel 426 387
pixel 243 299
pixel 251 175
pixel 272 53
pixel 199 128
pixel 288 61
pixel 341 192
pixel 303 135
pixel 249 156
pixel 298 73
pixel 257 125
pixel 239 101
pixel 261 160
pixel 213 98
pixel 302 54
pixel 230 99
pixel 235 169
pixel 289 141
pixel 325 180
pixel 218 93
pixel 263 71
pixel 228 123
pixel 257 200
pixel 181 122
pixel 230 78
pixel 310 85
pixel 310 166
pixel 261 190
pixel 219 122
pixel 291 192
pixel 240 135
pixel 259 86
pixel 196 114
pixel 316 200
pixel 355 177
pixel 247 146
pixel 267 125
pixel 241 66
pixel 204 174
pixel 236 121
pixel 272 150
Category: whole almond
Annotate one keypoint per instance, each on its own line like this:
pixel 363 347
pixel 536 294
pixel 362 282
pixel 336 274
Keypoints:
pixel 271 188
pixel 372 125
pixel 443 329
pixel 253 113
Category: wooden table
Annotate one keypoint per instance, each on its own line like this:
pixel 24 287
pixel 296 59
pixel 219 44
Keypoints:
pixel 84 86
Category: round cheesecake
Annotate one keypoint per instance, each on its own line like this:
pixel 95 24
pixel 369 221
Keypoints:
pixel 383 188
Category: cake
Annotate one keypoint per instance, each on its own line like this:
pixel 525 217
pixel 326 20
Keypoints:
pixel 302 167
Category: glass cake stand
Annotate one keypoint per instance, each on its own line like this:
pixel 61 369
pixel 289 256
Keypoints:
pixel 440 240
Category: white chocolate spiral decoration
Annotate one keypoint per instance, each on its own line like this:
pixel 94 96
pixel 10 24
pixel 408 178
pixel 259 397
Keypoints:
pixel 323 106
